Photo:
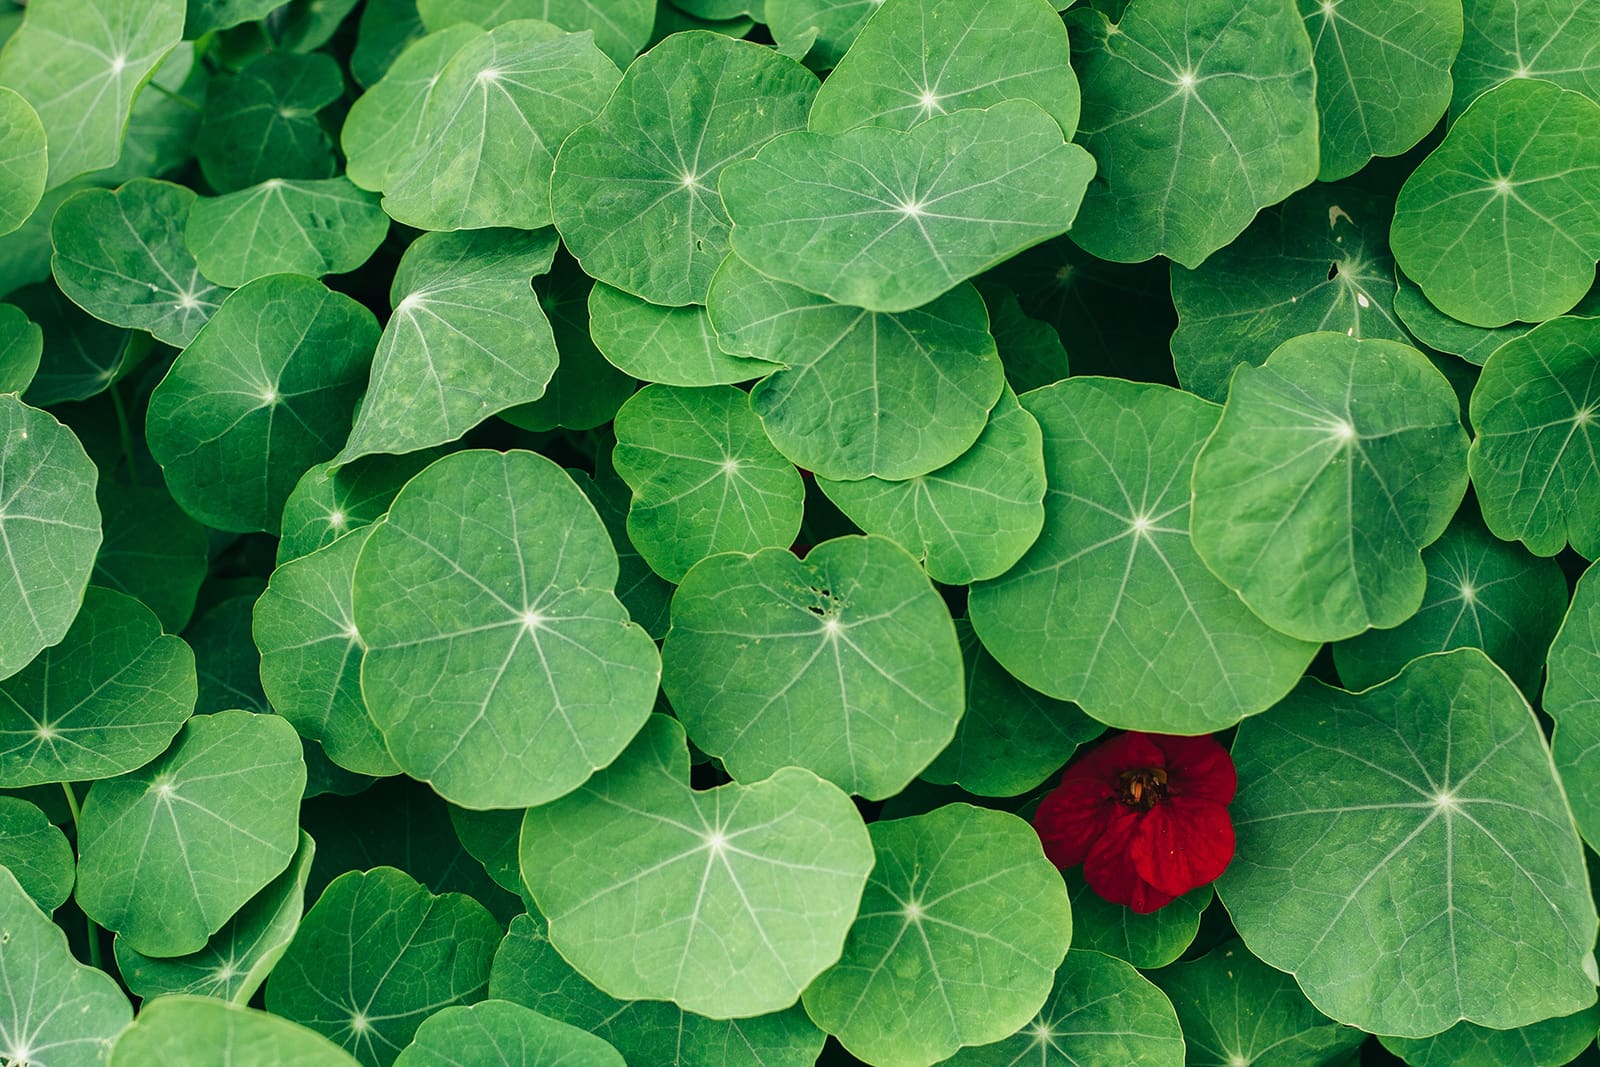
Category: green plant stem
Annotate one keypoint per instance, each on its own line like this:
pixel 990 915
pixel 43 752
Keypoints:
pixel 125 433
pixel 179 97
pixel 92 929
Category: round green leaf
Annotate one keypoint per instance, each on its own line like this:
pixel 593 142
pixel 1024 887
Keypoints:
pixel 845 663
pixel 621 27
pixel 1113 607
pixel 260 395
pixel 1472 343
pixel 168 853
pixel 23 165
pixel 673 346
pixel 497 1031
pixel 386 28
pixel 81 356
pixel 705 479
pixel 643 592
pixel 831 25
pixel 152 551
pixel 165 124
pixel 887 220
pixel 1030 349
pixel 500 666
pixel 21 345
pixel 329 502
pixel 1335 463
pixel 1545 1044
pixel 1384 838
pixel 261 122
pixel 1512 39
pixel 36 852
pixel 291 227
pixel 1195 125
pixel 918 58
pixel 1146 941
pixel 635 191
pixel 184 1031
pixel 962 927
pixel 1572 698
pixel 208 15
pixel 726 902
pixel 1502 220
pixel 491 837
pixel 824 409
pixel 49 530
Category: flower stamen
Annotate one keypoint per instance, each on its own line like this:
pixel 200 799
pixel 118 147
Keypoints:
pixel 1144 788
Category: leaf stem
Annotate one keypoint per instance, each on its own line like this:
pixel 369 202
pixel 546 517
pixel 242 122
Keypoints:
pixel 125 432
pixel 91 928
pixel 170 95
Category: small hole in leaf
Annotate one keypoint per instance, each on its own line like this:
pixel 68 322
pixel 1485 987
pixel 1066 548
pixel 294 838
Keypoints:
pixel 1333 271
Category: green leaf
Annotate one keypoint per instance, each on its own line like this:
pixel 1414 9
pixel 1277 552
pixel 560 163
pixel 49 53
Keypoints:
pixel 961 930
pixel 36 852
pixel 1237 1010
pixel 887 220
pixel 1472 343
pixel 916 59
pixel 23 166
pixel 238 957
pixel 970 519
pixel 529 971
pixel 621 27
pixel 1030 349
pixel 79 64
pixel 645 594
pixel 490 837
pixel 635 191
pixel 152 551
pixel 1146 941
pixel 261 122
pixel 306 25
pixel 1335 463
pixel 387 27
pixel 183 1031
pixel 825 411
pixel 1423 812
pixel 1502 220
pixel 1543 1044
pixel 82 356
pixel 376 955
pixel 845 663
pixel 1512 39
pixel 226 660
pixel 467 339
pixel 705 479
pixel 120 255
pixel 1194 124
pixel 204 16
pixel 1318 261
pixel 165 125
pixel 289 227
pixel 168 853
pixel 726 902
pixel 1532 460
pixel 1113 607
pixel 500 666
pixel 49 530
pixel 261 394
pixel 673 346
pixel 329 502
pixel 1572 696
pixel 107 699
pixel 21 345
pixel 835 23
pixel 499 1031
pixel 54 1011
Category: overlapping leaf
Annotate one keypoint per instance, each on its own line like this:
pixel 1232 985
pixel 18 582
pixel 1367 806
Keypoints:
pixel 23 164
pixel 295 227
pixel 621 27
pixel 189 1031
pixel 36 853
pixel 669 345
pixel 510 1033
pixel 261 122
pixel 1507 40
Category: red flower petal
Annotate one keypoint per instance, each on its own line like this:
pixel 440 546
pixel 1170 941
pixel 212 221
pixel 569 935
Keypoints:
pixel 1072 817
pixel 1109 873
pixel 1181 844
pixel 1198 767
pixel 1109 760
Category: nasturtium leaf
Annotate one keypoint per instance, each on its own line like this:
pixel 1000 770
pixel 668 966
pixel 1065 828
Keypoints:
pixel 1030 349
pixel 1472 343
pixel 168 853
pixel 491 837
pixel 645 594
pixel 1502 220
pixel 25 252
pixel 54 1011
pixel 1318 261
pixel 500 666
pixel 226 659
pixel 262 393
pixel 888 221
pixel 529 971
pixel 918 58
pixel 49 530
pixel 1146 941
pixel 1237 1010
pixel 21 345
pixel 970 519
pixel 238 957
pixel 621 27
pixel 1194 124
pixel 1335 463
pixel 205 16
pixel 510 1034
pixel 165 124
pixel 311 655
pixel 1507 40
pixel 1113 607
pixel 120 255
pixel 386 28
pixel 467 339
pixel 105 700
pixel 1482 593
pixel 1533 457
pixel 293 227
pixel 669 345
pixel 832 25
pixel 189 1031
pixel 261 122
pixel 306 25
pixel 671 19
pixel 22 160
pixel 726 902
pixel 81 356
pixel 330 501
pixel 1550 1043
pixel 845 663
pixel 635 190
pixel 1408 855
pixel 962 927
pixel 36 852
pixel 1572 698
pixel 705 479
pixel 825 411
pixel 79 64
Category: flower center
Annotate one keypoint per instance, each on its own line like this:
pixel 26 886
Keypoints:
pixel 1144 788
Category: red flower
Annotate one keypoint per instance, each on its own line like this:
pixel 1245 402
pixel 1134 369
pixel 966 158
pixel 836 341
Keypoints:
pixel 1146 815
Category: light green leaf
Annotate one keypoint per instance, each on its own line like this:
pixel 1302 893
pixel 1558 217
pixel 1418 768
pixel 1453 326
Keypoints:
pixel 961 929
pixel 1512 39
pixel 467 339
pixel 643 592
pixel 1196 126
pixel 846 664
pixel 726 901
pixel 183 1031
pixel 168 853
pixel 835 23
pixel 21 345
pixel 1146 941
pixel 261 122
pixel 36 852
pixel 497 1030
pixel 825 411
pixel 673 346
pixel 23 165
pixel 705 479
pixel 1384 838
pixel 1113 607
pixel 500 666
pixel 635 191
pixel 1334 465
pixel 1544 1044
pixel 1472 343
pixel 1572 698
pixel 82 356
pixel 1502 220
pixel 887 220
pixel 621 27
pixel 164 126
pixel 292 227
pixel 262 393
pixel 329 502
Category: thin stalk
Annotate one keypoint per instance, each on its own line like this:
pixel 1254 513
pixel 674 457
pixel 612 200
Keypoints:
pixel 125 432
pixel 93 930
pixel 169 94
